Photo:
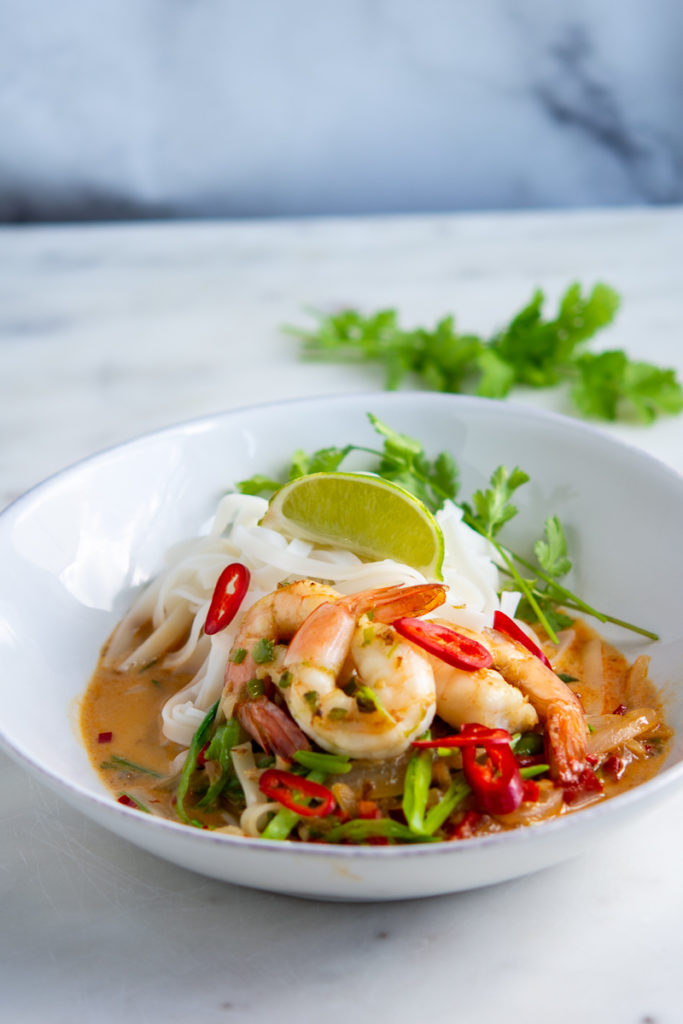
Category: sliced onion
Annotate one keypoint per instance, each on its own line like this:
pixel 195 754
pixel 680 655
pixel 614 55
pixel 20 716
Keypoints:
pixel 376 780
pixel 612 731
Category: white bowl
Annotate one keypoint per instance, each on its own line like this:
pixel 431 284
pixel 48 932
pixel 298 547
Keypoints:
pixel 73 549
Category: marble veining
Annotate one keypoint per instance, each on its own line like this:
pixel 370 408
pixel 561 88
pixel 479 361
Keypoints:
pixel 120 110
pixel 576 95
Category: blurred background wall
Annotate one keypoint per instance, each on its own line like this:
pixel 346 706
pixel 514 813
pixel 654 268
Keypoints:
pixel 146 108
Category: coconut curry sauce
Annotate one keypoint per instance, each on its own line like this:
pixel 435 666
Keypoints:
pixel 122 730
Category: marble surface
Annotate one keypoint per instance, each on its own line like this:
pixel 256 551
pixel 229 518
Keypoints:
pixel 168 107
pixel 107 332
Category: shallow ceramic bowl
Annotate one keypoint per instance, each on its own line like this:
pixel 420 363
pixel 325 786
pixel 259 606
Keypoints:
pixel 74 549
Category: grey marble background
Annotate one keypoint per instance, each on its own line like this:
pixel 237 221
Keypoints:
pixel 121 108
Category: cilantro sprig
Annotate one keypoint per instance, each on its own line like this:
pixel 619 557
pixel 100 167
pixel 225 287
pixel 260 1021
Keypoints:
pixel 530 350
pixel 403 460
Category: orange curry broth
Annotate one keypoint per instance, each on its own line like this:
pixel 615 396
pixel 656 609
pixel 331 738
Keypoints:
pixel 128 705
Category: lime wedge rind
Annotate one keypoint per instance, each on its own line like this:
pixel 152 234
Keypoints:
pixel 360 512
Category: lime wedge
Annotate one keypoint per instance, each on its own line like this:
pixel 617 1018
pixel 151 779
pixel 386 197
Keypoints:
pixel 362 513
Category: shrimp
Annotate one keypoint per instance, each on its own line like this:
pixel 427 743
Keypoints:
pixel 326 633
pixel 273 618
pixel 513 694
pixel 557 705
pixel 483 696
pixel 387 698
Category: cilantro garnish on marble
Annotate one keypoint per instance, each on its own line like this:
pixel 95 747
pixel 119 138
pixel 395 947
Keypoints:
pixel 530 350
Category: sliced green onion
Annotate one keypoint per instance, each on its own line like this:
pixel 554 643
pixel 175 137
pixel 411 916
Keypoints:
pixel 527 743
pixel 256 688
pixel 336 764
pixel 117 762
pixel 336 714
pixel 437 815
pixel 533 769
pixel 263 651
pixel 416 790
pixel 359 829
pixel 367 700
pixel 225 738
pixel 198 741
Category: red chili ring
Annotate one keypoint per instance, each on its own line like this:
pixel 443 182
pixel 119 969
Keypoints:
pixel 281 786
pixel 504 624
pixel 228 595
pixel 445 643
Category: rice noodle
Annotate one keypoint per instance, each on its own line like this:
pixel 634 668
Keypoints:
pixel 171 631
pixel 254 819
pixel 247 773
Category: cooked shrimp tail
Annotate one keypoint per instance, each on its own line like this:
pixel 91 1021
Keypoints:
pixel 388 603
pixel 271 727
pixel 565 728
pixel 556 704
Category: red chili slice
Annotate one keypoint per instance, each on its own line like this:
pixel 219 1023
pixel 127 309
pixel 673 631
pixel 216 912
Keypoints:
pixel 105 737
pixel 284 786
pixel 445 643
pixel 504 624
pixel 496 783
pixel 471 735
pixel 228 595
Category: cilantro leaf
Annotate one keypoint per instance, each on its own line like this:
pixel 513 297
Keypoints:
pixel 609 382
pixel 404 462
pixel 497 376
pixel 492 507
pixel 540 351
pixel 554 561
pixel 258 484
pixel 352 335
pixel 554 617
pixel 325 460
pixel 444 359
pixel 552 552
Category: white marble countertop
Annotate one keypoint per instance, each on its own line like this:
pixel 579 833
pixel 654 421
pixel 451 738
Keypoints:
pixel 108 332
